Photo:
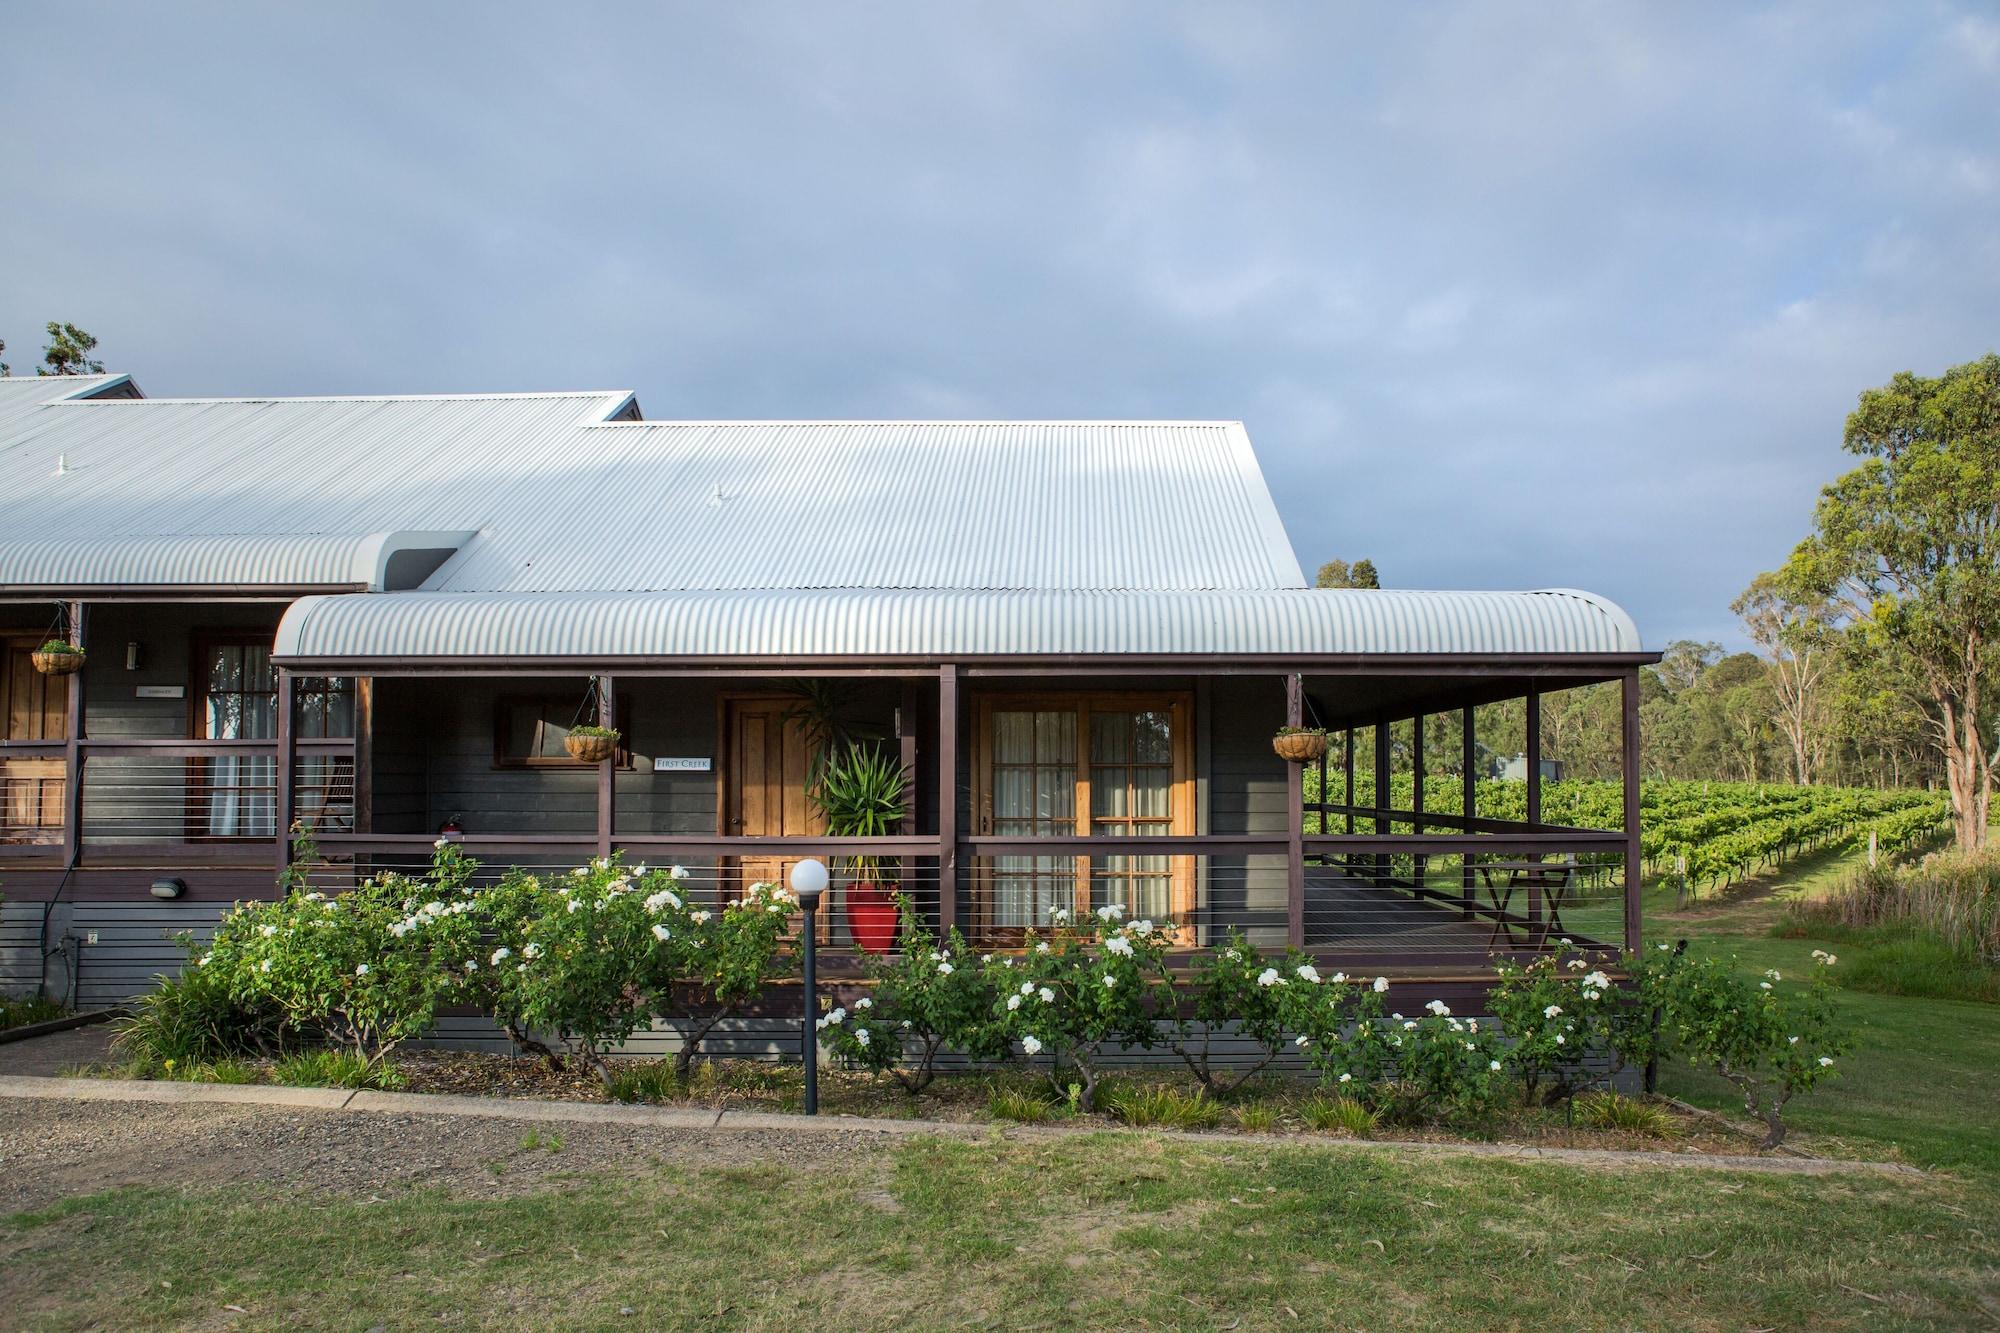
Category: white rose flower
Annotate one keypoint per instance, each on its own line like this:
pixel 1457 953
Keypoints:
pixel 861 1036
pixel 1268 977
pixel 1013 1002
pixel 1030 1045
pixel 1118 944
pixel 1493 1065
pixel 1307 972
pixel 1381 985
pixel 1046 995
pixel 361 970
pixel 501 955
pixel 1825 1061
pixel 1552 1011
pixel 1440 1008
pixel 944 969
pixel 678 872
pixel 442 843
pixel 1109 981
pixel 864 1003
pixel 661 933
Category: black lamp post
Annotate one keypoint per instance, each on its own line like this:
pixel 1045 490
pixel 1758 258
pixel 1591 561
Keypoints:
pixel 809 879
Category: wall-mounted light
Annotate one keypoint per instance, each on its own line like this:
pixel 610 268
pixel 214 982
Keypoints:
pixel 169 888
pixel 132 656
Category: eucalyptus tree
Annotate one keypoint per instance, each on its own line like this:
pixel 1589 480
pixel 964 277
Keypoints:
pixel 1907 547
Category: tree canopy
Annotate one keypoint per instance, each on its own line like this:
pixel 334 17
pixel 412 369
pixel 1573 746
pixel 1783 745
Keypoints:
pixel 1906 551
pixel 68 352
pixel 1340 574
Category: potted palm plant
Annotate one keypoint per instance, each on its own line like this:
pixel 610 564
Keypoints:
pixel 860 793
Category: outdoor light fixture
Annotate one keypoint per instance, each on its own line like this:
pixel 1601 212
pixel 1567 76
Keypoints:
pixel 132 656
pixel 809 879
pixel 169 888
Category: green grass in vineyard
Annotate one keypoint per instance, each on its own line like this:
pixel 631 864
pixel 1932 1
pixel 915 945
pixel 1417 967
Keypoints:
pixel 1723 830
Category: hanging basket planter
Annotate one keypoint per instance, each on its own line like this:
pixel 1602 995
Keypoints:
pixel 56 658
pixel 590 745
pixel 1299 745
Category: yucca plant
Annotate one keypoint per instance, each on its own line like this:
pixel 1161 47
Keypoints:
pixel 861 793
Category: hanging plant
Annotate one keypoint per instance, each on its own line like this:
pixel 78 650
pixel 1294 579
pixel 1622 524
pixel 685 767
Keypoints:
pixel 58 657
pixel 1299 745
pixel 590 744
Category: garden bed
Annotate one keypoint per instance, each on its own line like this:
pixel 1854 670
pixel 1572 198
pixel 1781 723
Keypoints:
pixel 1271 1105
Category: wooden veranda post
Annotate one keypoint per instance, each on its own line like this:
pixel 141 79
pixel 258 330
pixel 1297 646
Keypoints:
pixel 1468 806
pixel 1532 758
pixel 607 768
pixel 1629 692
pixel 1419 861
pixel 1295 820
pixel 947 797
pixel 73 744
pixel 1383 825
pixel 288 762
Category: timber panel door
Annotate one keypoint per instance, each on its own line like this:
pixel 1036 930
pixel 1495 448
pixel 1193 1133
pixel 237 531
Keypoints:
pixel 35 708
pixel 765 772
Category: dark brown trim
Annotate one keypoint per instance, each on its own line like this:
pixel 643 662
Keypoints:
pixel 947 797
pixel 607 768
pixel 1587 668
pixel 1295 820
pixel 1629 754
pixel 288 762
pixel 174 592
pixel 79 614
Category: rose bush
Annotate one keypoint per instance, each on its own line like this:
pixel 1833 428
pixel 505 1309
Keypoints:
pixel 925 1000
pixel 1080 989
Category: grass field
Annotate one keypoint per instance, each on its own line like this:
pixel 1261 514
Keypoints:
pixel 1125 1229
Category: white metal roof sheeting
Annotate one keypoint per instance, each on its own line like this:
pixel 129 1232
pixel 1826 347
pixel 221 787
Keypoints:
pixel 565 499
pixel 943 625
pixel 271 560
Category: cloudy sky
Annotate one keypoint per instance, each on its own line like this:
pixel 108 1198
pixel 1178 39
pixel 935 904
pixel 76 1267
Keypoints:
pixel 1509 296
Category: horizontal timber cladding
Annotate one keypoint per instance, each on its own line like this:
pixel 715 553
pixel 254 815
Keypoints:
pixel 121 950
pixel 20 943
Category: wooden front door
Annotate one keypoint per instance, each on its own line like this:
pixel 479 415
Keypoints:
pixel 35 708
pixel 765 768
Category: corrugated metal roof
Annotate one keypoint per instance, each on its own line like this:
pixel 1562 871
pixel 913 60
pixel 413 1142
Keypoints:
pixel 281 560
pixel 566 500
pixel 947 624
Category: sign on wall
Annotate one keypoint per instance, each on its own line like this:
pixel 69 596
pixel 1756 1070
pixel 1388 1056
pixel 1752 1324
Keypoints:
pixel 684 765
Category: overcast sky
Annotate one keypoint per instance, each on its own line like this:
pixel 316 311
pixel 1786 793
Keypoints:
pixel 1509 296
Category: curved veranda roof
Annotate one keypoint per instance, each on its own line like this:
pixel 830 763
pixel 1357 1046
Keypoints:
pixel 945 625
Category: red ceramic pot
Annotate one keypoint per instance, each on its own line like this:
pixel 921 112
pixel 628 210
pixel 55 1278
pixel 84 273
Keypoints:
pixel 871 917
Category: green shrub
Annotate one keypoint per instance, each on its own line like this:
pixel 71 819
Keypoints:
pixel 926 1000
pixel 1610 1110
pixel 1081 989
pixel 1341 1114
pixel 1165 1108
pixel 652 1081
pixel 327 1068
pixel 1235 985
pixel 1257 1118
pixel 1556 1012
pixel 1772 1045
pixel 18 1013
pixel 1953 897
pixel 365 970
pixel 1014 1104
pixel 193 1019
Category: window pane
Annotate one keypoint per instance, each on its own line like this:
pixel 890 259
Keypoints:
pixel 1014 738
pixel 1055 738
pixel 1152 737
pixel 1110 737
pixel 1107 793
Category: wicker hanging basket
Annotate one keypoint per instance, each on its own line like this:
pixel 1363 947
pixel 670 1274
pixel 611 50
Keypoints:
pixel 590 748
pixel 57 663
pixel 1299 747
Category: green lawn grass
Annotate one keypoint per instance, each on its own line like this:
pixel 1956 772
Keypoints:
pixel 1110 1230
pixel 1124 1229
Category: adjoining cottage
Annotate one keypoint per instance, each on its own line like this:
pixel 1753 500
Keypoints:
pixel 381 617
